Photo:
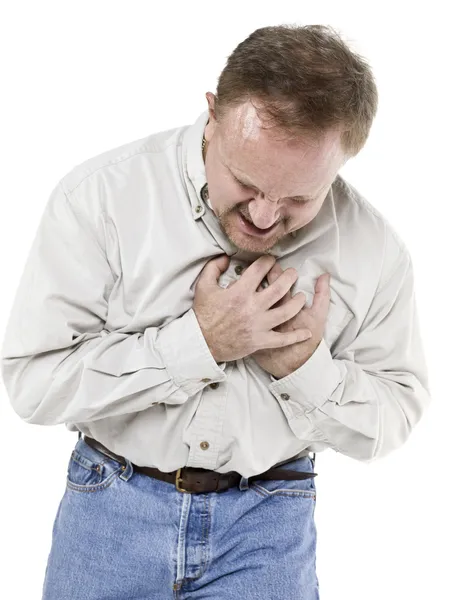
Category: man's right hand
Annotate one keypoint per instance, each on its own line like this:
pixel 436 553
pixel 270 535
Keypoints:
pixel 239 320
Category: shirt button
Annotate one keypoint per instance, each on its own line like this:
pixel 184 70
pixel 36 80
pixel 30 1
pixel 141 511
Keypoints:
pixel 285 397
pixel 204 445
pixel 214 385
pixel 206 380
pixel 238 269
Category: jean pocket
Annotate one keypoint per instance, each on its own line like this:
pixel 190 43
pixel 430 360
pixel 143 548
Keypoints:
pixel 90 470
pixel 304 488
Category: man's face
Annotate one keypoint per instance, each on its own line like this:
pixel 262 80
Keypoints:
pixel 279 186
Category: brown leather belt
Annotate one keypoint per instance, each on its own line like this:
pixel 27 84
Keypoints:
pixel 195 480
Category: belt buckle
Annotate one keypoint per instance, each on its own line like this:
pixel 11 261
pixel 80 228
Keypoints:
pixel 177 482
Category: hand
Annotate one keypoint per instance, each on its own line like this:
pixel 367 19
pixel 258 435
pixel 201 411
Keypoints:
pixel 239 320
pixel 280 362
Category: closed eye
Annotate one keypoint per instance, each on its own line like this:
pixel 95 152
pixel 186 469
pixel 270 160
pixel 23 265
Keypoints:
pixel 298 199
pixel 302 200
pixel 240 183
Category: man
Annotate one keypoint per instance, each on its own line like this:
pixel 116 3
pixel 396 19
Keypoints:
pixel 209 305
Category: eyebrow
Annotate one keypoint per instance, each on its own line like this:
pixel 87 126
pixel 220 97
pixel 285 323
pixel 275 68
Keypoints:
pixel 245 181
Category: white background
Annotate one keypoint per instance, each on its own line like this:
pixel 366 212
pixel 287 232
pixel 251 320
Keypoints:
pixel 79 78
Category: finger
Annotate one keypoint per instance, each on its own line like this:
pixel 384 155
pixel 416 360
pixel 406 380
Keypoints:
pixel 321 299
pixel 213 269
pixel 275 272
pixel 257 271
pixel 282 315
pixel 278 340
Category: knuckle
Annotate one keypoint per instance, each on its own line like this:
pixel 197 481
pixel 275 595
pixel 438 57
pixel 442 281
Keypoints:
pixel 276 270
pixel 286 340
pixel 268 263
pixel 238 293
pixel 300 298
pixel 277 287
pixel 255 343
pixel 288 312
pixel 292 273
pixel 280 340
pixel 249 305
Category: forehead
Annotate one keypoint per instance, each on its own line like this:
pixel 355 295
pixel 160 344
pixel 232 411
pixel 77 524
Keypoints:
pixel 276 166
pixel 242 127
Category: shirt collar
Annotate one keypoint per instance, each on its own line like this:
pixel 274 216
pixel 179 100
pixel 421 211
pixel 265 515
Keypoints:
pixel 193 163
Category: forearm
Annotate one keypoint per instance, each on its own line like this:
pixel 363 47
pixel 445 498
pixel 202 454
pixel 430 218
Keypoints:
pixel 107 374
pixel 361 414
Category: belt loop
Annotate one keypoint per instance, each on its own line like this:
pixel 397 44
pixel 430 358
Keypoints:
pixel 313 460
pixel 243 485
pixel 79 434
pixel 126 470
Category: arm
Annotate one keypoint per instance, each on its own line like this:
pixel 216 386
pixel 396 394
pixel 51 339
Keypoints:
pixel 59 364
pixel 365 400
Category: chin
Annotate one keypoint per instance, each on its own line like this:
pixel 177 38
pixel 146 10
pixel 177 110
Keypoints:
pixel 248 243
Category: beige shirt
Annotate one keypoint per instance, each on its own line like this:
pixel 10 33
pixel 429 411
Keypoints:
pixel 102 335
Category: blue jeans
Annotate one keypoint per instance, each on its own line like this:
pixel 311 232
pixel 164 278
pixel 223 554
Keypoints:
pixel 121 535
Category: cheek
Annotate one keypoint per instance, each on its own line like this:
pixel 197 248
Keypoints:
pixel 301 216
pixel 232 197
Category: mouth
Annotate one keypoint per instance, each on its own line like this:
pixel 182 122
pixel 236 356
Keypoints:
pixel 251 229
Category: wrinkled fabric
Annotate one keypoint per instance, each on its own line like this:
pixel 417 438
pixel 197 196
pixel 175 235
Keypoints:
pixel 102 335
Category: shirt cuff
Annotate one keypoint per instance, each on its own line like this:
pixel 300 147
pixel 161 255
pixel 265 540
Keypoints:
pixel 186 355
pixel 311 385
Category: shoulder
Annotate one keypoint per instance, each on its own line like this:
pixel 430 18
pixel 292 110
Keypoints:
pixel 371 236
pixel 117 160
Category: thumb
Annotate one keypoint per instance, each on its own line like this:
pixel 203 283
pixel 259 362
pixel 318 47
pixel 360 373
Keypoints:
pixel 214 268
pixel 321 299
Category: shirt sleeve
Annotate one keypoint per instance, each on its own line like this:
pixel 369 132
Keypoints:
pixel 59 362
pixel 367 398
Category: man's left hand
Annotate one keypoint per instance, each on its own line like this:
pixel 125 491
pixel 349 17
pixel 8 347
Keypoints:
pixel 280 362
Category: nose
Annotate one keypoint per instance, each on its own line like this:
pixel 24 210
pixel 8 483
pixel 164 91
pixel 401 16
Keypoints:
pixel 264 213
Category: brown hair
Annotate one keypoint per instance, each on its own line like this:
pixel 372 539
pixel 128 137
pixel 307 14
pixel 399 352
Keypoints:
pixel 306 79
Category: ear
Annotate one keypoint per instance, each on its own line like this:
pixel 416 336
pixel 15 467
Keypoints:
pixel 210 97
